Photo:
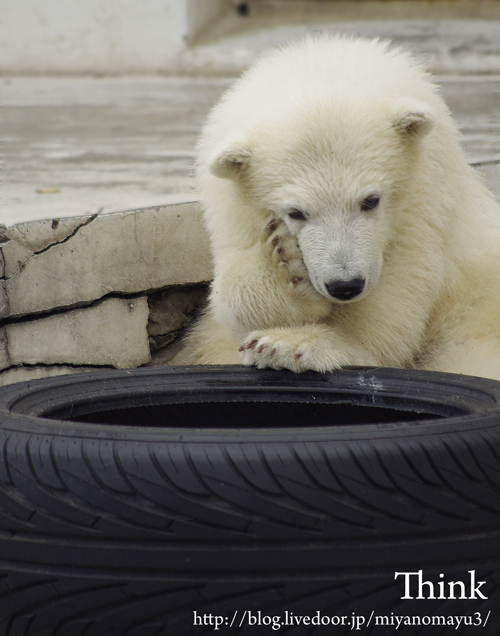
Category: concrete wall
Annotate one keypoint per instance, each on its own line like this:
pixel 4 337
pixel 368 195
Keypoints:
pixel 96 36
pixel 101 291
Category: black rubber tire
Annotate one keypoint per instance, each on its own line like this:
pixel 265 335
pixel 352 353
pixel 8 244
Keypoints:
pixel 156 501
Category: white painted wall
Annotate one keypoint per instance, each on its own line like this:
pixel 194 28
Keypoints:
pixel 99 36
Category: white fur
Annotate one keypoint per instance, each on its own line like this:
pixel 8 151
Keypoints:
pixel 318 127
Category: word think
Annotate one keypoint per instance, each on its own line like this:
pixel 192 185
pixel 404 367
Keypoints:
pixel 414 582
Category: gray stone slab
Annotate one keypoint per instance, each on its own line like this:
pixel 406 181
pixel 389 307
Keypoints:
pixel 111 333
pixel 127 252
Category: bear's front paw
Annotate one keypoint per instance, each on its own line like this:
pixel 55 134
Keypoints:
pixel 285 255
pixel 285 349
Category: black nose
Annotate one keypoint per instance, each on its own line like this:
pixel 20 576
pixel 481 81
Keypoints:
pixel 345 289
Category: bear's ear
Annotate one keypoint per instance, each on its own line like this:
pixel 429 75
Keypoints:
pixel 414 120
pixel 230 159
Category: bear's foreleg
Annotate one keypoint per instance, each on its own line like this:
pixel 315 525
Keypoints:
pixel 265 286
pixel 317 347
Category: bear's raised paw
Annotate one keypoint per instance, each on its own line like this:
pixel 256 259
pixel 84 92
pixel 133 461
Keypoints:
pixel 285 255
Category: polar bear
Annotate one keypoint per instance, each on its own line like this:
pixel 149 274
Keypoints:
pixel 345 224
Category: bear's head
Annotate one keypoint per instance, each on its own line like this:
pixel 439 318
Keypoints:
pixel 339 175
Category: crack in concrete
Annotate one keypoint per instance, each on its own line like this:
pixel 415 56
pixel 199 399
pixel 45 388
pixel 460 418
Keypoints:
pixel 49 247
pixel 42 315
pixel 71 235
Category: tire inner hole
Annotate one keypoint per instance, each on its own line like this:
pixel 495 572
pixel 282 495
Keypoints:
pixel 249 414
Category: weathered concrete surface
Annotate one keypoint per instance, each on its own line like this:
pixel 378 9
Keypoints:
pixel 4 352
pixel 4 301
pixel 98 291
pixel 110 144
pixel 124 253
pixel 110 333
pixel 79 146
pixel 35 237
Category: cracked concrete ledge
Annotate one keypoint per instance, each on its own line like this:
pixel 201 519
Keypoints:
pixel 99 291
pixel 125 252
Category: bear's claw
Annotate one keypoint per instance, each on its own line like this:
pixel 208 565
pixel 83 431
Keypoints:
pixel 273 349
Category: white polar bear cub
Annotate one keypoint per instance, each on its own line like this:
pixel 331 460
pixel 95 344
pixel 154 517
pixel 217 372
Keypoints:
pixel 345 224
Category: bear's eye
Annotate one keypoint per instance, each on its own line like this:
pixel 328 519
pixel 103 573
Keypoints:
pixel 297 215
pixel 370 203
